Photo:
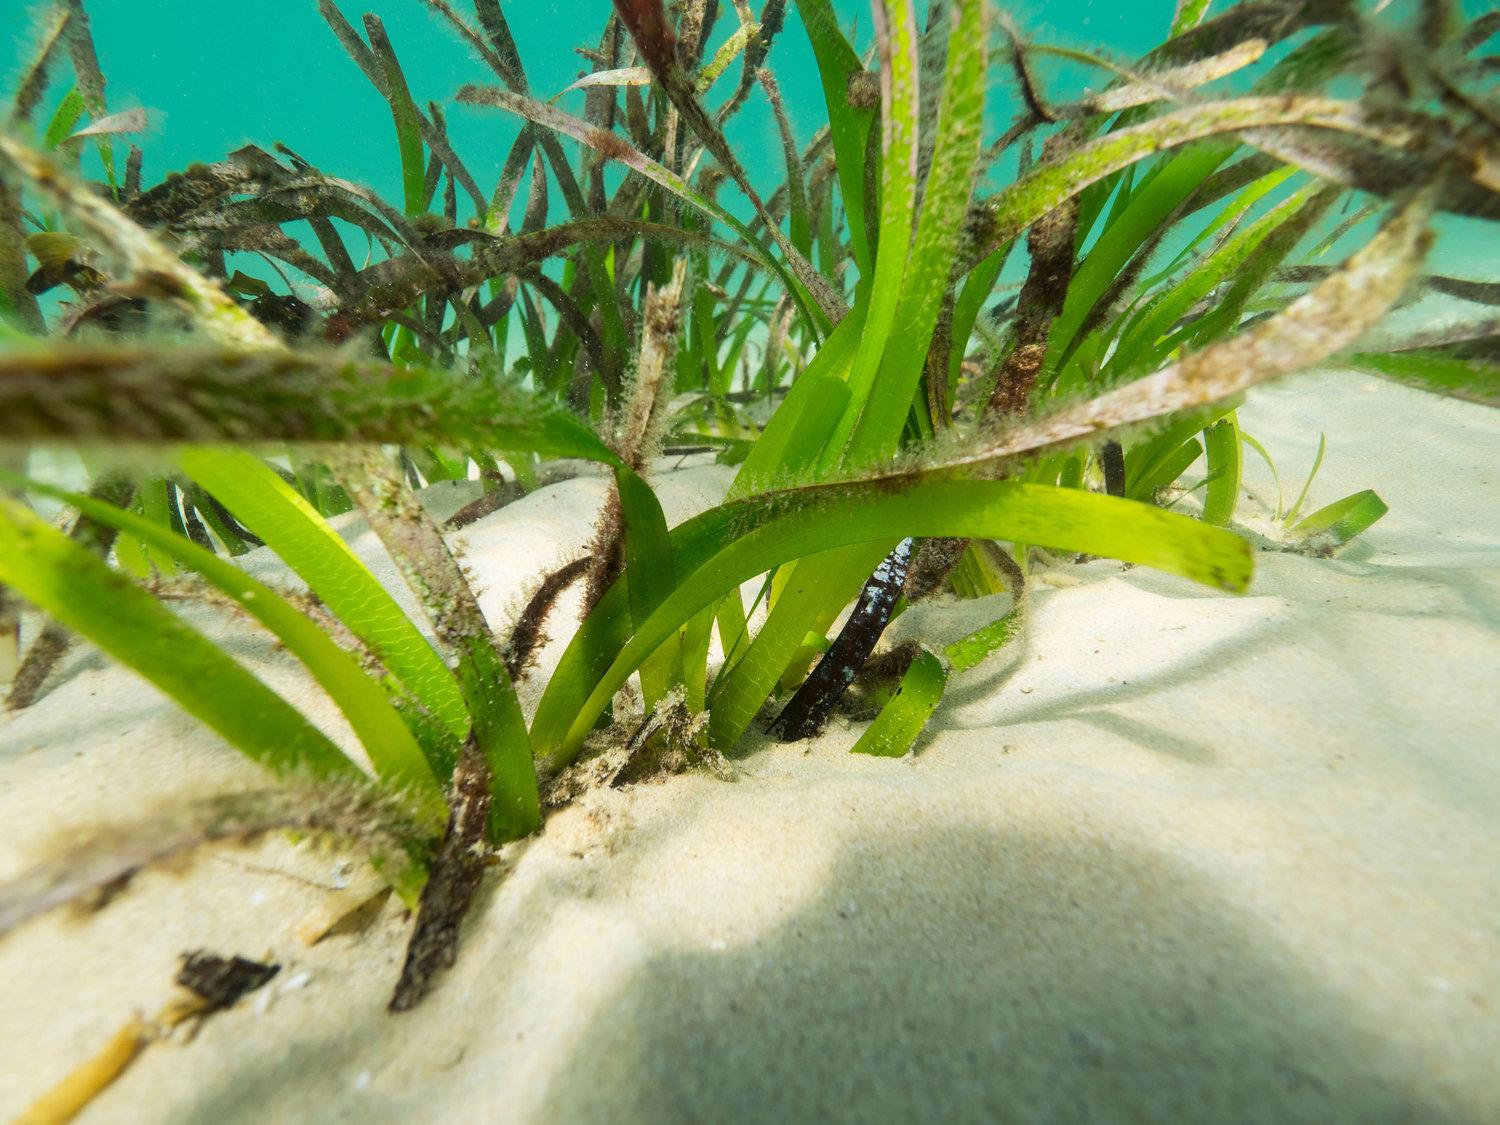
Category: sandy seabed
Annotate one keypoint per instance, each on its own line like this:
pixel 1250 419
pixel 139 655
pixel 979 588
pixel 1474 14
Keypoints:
pixel 1177 856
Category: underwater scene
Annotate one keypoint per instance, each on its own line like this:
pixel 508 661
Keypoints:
pixel 749 560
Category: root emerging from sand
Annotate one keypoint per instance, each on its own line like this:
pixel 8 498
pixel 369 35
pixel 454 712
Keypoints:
pixel 668 742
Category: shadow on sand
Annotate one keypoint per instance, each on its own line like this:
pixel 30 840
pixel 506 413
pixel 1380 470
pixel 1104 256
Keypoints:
pixel 1016 977
pixel 1020 979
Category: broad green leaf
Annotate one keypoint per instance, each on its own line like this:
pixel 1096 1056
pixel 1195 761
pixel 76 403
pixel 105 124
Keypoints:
pixel 500 730
pixel 1222 444
pixel 968 652
pixel 68 583
pixel 813 590
pixel 1164 470
pixel 648 554
pixel 392 750
pixel 900 113
pixel 799 430
pixel 924 283
pixel 796 435
pixel 404 113
pixel 1189 15
pixel 736 542
pixel 269 507
pixel 64 119
pixel 849 127
pixel 902 719
pixel 1149 464
pixel 1340 521
pixel 734 628
pixel 155 500
pixel 1470 379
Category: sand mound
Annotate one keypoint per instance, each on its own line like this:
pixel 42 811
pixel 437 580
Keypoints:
pixel 1178 856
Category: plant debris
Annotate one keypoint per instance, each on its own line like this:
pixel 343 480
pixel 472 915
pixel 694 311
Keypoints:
pixel 221 981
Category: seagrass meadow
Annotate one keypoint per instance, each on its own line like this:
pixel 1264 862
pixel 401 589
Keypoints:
pixel 773 560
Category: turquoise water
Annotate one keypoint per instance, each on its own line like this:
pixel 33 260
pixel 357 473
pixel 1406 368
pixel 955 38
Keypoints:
pixel 221 75
pixel 217 76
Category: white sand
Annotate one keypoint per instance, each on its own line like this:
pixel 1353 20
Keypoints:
pixel 1183 856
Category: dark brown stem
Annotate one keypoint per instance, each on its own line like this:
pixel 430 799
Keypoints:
pixel 20 302
pixel 10 635
pixel 527 636
pixel 42 656
pixel 606 557
pixel 1051 244
pixel 507 492
pixel 449 891
pixel 935 560
pixel 807 711
pixel 1112 460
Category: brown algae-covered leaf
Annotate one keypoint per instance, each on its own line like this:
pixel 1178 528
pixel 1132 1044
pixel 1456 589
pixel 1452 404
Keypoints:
pixel 90 868
pixel 1008 212
pixel 1331 316
pixel 141 250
